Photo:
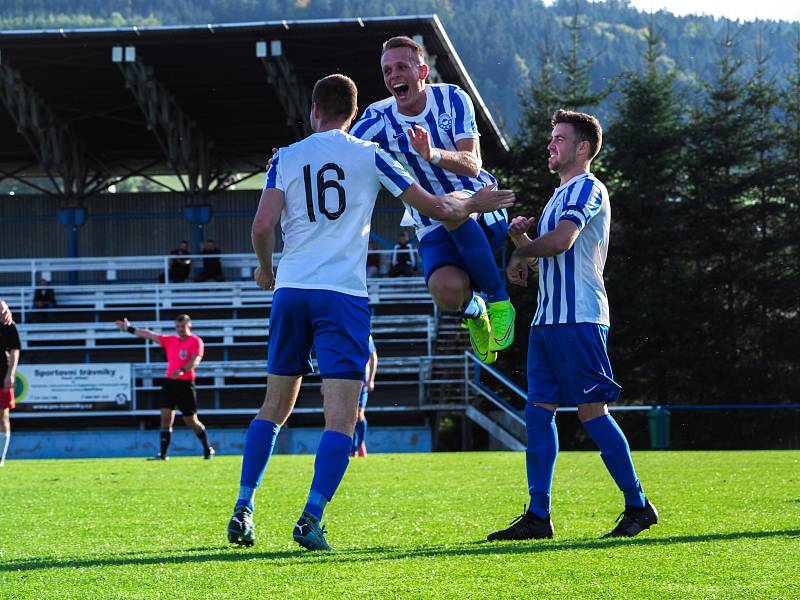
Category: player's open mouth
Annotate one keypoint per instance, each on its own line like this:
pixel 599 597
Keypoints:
pixel 400 90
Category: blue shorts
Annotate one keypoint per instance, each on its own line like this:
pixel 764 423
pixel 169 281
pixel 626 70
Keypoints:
pixel 568 365
pixel 336 324
pixel 437 249
pixel 362 399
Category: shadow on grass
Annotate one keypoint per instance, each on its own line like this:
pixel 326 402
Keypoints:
pixel 234 554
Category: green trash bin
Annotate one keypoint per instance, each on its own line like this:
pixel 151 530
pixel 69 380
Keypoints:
pixel 659 421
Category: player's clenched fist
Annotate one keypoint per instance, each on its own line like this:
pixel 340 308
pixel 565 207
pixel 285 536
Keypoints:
pixel 520 225
pixel 265 278
pixel 517 270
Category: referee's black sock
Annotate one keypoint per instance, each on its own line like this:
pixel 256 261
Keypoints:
pixel 203 437
pixel 166 438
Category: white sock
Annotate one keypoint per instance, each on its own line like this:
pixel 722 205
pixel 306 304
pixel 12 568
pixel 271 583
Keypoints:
pixel 5 438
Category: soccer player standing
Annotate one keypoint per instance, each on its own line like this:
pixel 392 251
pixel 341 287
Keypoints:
pixel 430 129
pixel 323 191
pixel 184 352
pixel 567 358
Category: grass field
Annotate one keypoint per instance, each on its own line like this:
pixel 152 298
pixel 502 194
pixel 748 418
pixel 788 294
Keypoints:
pixel 403 526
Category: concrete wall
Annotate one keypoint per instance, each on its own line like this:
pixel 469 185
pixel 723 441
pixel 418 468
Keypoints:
pixel 137 443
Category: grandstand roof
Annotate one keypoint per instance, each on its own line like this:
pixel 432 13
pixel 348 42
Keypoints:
pixel 210 79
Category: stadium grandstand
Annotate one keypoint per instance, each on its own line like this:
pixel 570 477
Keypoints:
pixel 195 111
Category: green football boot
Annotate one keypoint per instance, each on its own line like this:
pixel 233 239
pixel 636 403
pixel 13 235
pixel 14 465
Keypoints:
pixel 501 325
pixel 479 334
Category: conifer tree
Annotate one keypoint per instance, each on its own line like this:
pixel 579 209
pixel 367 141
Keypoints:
pixel 645 278
pixel 719 232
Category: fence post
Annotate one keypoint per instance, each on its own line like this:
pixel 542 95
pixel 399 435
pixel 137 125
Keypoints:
pixel 659 424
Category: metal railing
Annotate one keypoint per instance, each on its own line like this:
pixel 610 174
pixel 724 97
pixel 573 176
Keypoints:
pixel 34 268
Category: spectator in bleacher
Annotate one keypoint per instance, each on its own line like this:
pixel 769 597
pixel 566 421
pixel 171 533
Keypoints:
pixel 360 432
pixel 373 260
pixel 44 298
pixel 212 264
pixel 404 261
pixel 9 357
pixel 179 268
pixel 184 352
pixel 6 318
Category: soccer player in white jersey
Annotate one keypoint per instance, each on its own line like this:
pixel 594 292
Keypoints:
pixel 567 358
pixel 430 129
pixel 323 191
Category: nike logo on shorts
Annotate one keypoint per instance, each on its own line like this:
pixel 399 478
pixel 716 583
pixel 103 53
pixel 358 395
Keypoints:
pixel 590 389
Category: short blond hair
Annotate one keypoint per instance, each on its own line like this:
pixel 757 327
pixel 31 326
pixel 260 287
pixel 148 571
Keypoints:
pixel 402 41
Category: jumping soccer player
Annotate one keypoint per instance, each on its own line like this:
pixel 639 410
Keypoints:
pixel 567 358
pixel 323 191
pixel 430 129
pixel 360 433
pixel 184 352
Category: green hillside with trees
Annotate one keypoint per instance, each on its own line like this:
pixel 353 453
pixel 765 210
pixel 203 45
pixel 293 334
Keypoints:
pixel 701 158
pixel 502 42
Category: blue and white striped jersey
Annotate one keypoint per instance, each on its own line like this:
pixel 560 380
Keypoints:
pixel 571 288
pixel 449 116
pixel 330 182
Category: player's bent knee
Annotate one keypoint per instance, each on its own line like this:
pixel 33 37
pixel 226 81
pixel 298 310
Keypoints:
pixel 591 410
pixel 449 287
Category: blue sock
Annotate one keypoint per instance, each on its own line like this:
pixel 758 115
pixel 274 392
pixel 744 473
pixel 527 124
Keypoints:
pixel 474 248
pixel 616 455
pixel 357 436
pixel 258 446
pixel 540 458
pixel 473 308
pixel 363 424
pixel 333 456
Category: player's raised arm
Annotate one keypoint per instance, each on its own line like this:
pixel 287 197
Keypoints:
pixel 453 208
pixel 125 325
pixel 466 160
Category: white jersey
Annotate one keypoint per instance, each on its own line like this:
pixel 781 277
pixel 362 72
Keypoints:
pixel 571 288
pixel 448 117
pixel 330 182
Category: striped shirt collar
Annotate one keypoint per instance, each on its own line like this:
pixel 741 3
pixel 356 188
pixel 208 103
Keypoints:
pixel 573 180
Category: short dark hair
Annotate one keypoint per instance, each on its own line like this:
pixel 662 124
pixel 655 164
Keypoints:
pixel 587 128
pixel 402 41
pixel 183 319
pixel 336 95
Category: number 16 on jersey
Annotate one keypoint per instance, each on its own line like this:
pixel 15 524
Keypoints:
pixel 322 184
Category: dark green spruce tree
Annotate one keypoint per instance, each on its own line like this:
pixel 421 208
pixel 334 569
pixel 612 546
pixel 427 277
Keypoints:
pixel 763 211
pixel 720 236
pixel 645 273
pixel 783 325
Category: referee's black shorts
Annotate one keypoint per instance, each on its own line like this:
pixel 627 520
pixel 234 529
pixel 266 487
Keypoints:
pixel 179 393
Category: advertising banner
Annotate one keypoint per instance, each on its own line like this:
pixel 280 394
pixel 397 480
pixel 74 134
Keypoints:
pixel 103 386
